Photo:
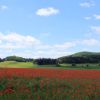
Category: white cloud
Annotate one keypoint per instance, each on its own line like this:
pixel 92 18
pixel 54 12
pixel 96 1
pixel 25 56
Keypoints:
pixel 96 29
pixel 91 42
pixel 3 7
pixel 52 54
pixel 97 16
pixel 57 47
pixel 87 4
pixel 29 46
pixel 65 45
pixel 54 51
pixel 15 40
pixel 47 11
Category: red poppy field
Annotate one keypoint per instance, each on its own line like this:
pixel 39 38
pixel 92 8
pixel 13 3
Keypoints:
pixel 49 84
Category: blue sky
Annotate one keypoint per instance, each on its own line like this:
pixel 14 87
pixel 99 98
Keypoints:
pixel 49 28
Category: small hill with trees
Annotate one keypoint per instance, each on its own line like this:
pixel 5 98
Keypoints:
pixel 18 59
pixel 81 57
pixel 87 60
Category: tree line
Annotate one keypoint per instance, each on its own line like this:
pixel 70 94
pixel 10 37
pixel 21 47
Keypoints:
pixel 49 61
pixel 39 61
pixel 16 58
pixel 45 61
pixel 79 60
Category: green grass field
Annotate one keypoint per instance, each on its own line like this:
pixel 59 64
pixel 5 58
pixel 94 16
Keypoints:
pixel 81 66
pixel 14 64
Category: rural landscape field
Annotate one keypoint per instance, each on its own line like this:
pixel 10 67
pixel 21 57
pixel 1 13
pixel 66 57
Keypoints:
pixel 73 77
pixel 49 49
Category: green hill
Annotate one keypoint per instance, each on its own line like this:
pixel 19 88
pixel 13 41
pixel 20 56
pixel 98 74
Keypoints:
pixel 85 53
pixel 81 57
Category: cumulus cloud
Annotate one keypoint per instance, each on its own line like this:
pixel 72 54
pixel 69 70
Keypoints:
pixel 15 40
pixel 97 16
pixel 58 50
pixel 57 47
pixel 52 54
pixel 87 4
pixel 55 50
pixel 64 46
pixel 29 46
pixel 47 11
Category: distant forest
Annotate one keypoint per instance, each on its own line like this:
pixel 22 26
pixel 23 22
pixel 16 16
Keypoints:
pixel 77 58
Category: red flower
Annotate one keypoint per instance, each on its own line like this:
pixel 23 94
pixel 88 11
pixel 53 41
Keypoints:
pixel 8 91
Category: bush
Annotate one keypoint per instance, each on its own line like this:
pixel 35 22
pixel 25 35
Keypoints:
pixel 87 65
pixel 74 64
pixel 45 61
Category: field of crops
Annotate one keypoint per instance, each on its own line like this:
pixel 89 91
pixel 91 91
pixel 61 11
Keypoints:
pixel 49 84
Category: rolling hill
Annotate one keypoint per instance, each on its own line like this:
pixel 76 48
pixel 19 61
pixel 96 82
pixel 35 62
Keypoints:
pixel 81 57
pixel 85 53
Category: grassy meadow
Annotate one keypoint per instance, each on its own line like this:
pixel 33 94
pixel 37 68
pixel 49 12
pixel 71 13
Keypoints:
pixel 81 66
pixel 14 64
